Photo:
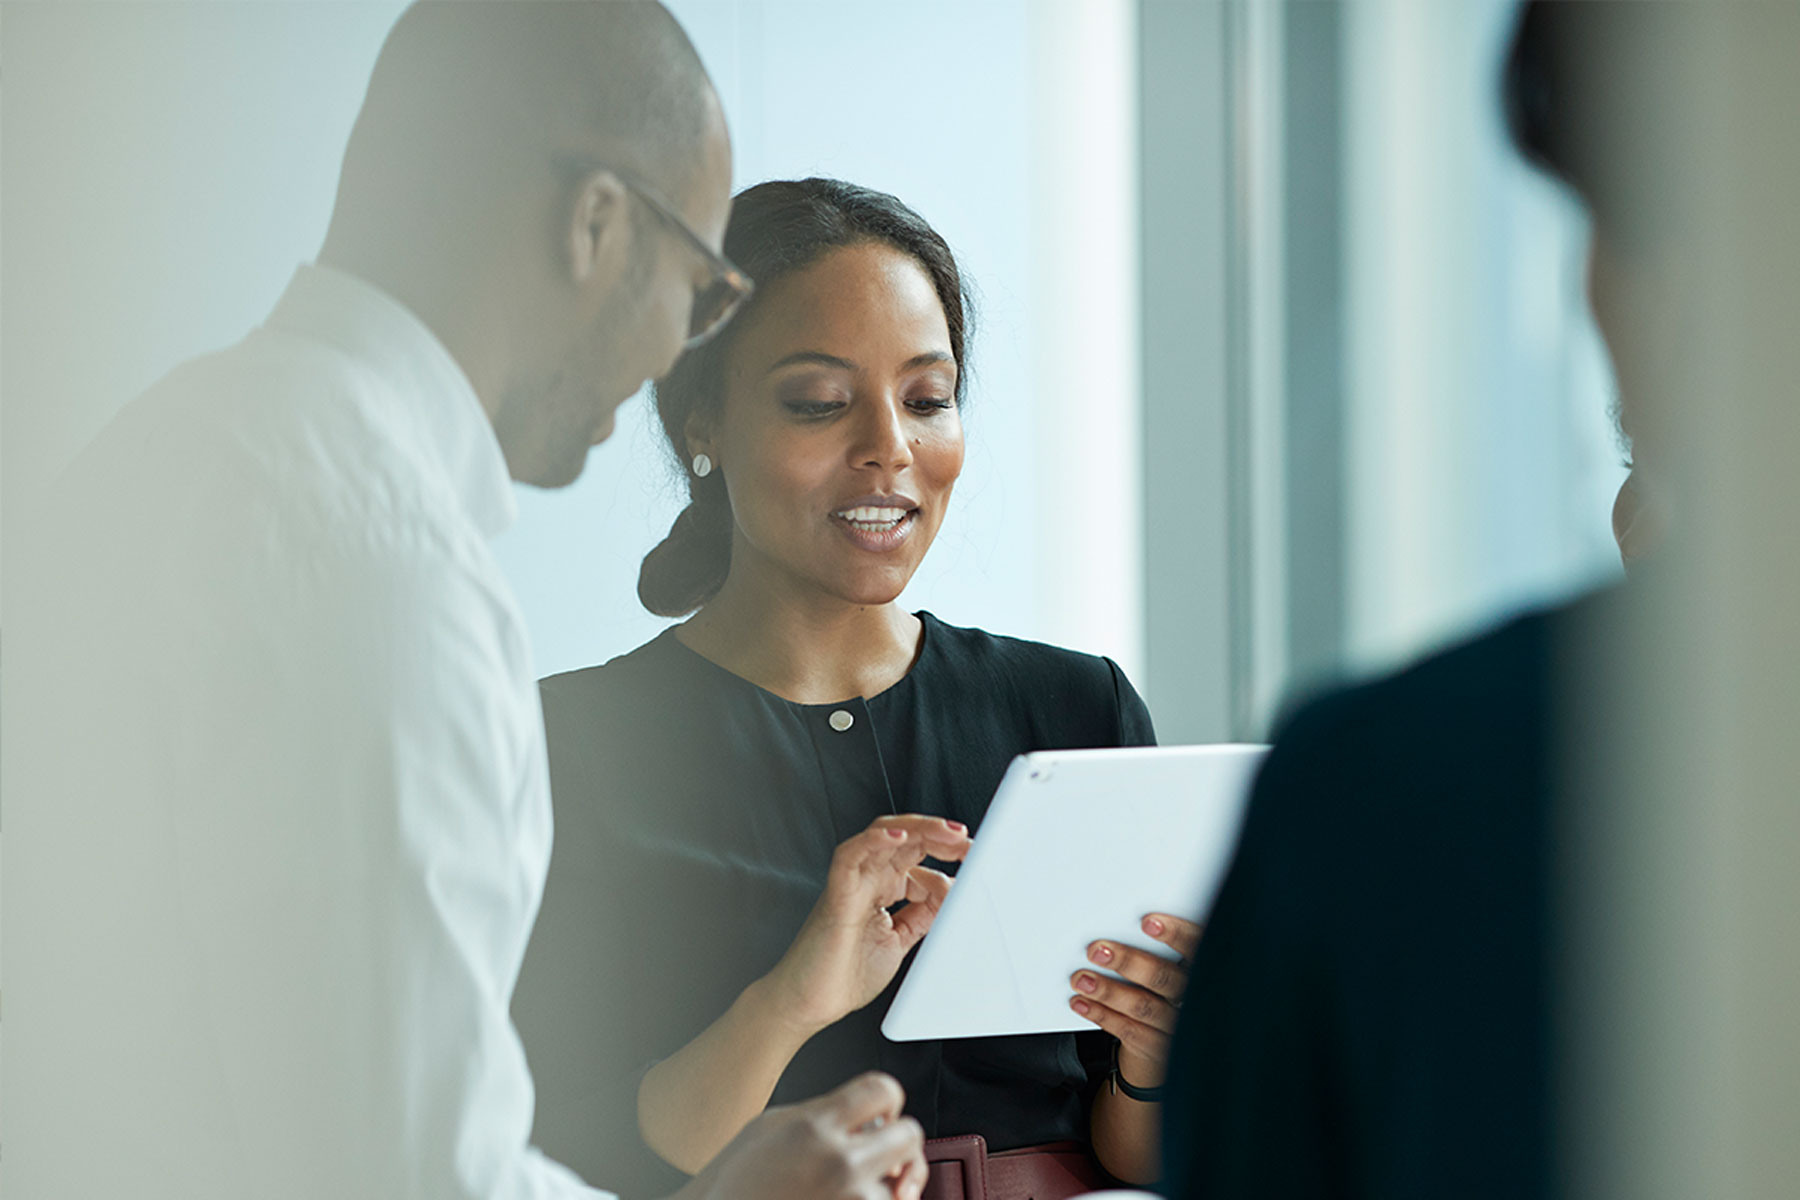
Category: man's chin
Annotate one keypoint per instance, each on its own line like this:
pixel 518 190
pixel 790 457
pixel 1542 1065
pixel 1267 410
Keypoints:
pixel 541 458
pixel 551 470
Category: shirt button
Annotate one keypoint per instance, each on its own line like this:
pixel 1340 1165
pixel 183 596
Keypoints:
pixel 841 720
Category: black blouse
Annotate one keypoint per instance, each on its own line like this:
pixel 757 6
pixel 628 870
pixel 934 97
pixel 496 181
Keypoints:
pixel 696 815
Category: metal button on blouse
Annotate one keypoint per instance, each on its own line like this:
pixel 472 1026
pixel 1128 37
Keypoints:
pixel 841 720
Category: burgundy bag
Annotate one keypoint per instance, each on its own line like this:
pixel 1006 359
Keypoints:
pixel 962 1169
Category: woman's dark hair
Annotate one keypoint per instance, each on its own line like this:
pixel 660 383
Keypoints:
pixel 775 230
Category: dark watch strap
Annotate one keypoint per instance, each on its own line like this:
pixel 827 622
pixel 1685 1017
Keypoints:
pixel 1143 1095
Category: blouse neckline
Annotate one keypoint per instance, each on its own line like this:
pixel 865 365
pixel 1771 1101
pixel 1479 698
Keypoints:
pixel 927 643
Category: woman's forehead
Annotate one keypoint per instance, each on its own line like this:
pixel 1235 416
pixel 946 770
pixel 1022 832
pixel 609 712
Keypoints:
pixel 868 304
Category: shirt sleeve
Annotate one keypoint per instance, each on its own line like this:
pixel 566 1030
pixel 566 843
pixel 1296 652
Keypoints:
pixel 362 868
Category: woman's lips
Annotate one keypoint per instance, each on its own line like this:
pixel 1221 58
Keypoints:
pixel 876 528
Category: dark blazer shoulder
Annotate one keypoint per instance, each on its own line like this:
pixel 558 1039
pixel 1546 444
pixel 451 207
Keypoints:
pixel 1018 656
pixel 633 700
pixel 622 675
pixel 1443 689
pixel 1052 682
pixel 1478 708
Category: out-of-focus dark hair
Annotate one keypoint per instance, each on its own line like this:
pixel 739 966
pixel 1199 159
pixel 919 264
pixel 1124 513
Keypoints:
pixel 1579 89
pixel 776 229
pixel 1543 91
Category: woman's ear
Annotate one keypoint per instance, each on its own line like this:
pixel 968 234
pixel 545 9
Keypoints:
pixel 599 233
pixel 698 435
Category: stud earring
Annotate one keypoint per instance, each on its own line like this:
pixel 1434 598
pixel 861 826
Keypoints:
pixel 702 466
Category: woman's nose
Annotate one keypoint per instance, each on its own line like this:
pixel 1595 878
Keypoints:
pixel 881 440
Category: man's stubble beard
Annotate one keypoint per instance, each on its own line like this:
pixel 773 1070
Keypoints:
pixel 538 428
pixel 546 426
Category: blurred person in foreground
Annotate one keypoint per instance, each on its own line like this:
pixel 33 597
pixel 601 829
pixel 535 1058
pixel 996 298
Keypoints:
pixel 285 820
pixel 1374 1009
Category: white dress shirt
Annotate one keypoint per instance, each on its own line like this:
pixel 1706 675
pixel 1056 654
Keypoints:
pixel 278 823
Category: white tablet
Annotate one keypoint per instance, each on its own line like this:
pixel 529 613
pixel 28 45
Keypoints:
pixel 1077 845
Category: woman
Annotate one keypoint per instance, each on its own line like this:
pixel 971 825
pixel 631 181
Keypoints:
pixel 742 801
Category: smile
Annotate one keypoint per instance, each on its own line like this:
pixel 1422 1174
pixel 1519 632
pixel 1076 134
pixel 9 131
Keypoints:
pixel 876 529
pixel 874 520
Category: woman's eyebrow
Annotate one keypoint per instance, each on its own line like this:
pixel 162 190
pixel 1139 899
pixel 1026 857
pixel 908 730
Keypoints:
pixel 814 358
pixel 818 358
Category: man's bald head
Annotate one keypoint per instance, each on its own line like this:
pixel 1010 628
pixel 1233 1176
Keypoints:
pixel 469 95
pixel 497 184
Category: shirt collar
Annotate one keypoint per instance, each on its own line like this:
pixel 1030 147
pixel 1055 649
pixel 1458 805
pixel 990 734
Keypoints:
pixel 371 326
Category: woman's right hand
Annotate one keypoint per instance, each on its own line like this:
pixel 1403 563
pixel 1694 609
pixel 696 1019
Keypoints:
pixel 851 946
pixel 696 1100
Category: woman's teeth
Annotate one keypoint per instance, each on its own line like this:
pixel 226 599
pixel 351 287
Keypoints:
pixel 875 520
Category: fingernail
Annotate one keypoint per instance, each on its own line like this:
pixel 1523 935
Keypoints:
pixel 1080 1006
pixel 1086 983
pixel 957 825
pixel 899 835
pixel 1153 926
pixel 1101 953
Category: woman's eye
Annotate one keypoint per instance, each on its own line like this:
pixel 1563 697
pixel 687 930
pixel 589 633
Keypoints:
pixel 812 408
pixel 931 404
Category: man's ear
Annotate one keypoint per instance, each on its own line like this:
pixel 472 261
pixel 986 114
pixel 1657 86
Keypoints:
pixel 599 226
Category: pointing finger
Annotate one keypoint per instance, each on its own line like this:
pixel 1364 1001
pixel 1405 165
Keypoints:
pixel 944 839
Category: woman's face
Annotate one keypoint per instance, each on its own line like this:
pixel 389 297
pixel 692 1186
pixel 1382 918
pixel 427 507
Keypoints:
pixel 839 440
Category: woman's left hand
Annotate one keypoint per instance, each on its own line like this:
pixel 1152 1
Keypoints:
pixel 1139 1009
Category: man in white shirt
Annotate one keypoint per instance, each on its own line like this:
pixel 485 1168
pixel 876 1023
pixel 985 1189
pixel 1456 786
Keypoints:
pixel 277 814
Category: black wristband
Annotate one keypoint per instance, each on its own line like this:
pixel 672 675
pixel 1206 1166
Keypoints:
pixel 1143 1095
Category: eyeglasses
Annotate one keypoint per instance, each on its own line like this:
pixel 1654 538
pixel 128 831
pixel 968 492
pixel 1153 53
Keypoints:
pixel 728 288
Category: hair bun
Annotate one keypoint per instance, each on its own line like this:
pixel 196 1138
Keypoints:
pixel 688 567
